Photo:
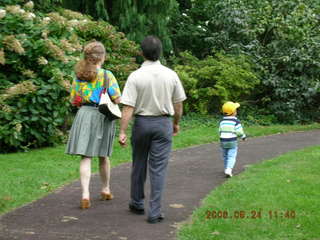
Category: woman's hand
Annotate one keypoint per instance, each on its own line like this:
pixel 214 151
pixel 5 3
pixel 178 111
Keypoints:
pixel 117 100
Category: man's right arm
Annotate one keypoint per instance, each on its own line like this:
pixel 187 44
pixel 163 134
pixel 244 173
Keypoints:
pixel 127 112
pixel 178 109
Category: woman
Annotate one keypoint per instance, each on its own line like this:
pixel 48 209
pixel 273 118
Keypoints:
pixel 92 134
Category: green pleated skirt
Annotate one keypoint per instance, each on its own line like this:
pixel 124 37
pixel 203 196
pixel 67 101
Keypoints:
pixel 91 134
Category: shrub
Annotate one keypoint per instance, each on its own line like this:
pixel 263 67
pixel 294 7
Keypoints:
pixel 214 80
pixel 37 55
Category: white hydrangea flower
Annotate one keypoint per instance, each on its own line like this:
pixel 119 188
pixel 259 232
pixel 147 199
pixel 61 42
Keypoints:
pixel 202 28
pixel 29 5
pixel 29 16
pixel 2 13
pixel 83 22
pixel 44 34
pixel 42 61
pixel 73 22
pixel 46 20
pixel 22 11
pixel 13 9
pixel 18 127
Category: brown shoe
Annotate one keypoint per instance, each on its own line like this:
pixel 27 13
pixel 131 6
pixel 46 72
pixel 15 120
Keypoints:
pixel 106 196
pixel 85 204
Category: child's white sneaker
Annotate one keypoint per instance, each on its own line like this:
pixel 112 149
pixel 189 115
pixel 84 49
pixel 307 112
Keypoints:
pixel 228 172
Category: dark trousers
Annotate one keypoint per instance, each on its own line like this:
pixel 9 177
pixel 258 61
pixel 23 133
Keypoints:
pixel 151 146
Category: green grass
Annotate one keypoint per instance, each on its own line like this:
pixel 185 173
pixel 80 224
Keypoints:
pixel 28 176
pixel 206 132
pixel 287 186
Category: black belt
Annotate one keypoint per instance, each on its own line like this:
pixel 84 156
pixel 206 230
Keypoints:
pixel 91 104
pixel 151 116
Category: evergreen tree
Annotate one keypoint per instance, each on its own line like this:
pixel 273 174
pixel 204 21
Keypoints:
pixel 184 4
pixel 95 8
pixel 140 18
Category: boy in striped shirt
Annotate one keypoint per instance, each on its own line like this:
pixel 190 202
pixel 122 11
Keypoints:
pixel 230 129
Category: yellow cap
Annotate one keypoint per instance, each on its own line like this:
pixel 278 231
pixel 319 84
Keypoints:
pixel 230 107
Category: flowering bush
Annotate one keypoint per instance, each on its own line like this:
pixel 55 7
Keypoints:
pixel 37 55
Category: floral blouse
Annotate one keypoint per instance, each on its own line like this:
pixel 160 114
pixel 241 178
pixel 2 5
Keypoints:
pixel 90 92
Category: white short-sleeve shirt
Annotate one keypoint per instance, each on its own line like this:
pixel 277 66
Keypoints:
pixel 152 90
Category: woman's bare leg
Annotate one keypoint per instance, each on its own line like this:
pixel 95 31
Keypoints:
pixel 85 175
pixel 104 169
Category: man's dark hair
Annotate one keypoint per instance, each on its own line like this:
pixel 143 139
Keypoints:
pixel 151 48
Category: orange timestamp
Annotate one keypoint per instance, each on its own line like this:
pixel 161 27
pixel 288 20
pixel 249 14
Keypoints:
pixel 251 214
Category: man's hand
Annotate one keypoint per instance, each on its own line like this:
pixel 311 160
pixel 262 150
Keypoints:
pixel 127 112
pixel 176 118
pixel 176 129
pixel 123 139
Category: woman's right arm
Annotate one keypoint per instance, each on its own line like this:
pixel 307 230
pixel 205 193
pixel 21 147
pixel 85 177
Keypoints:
pixel 117 100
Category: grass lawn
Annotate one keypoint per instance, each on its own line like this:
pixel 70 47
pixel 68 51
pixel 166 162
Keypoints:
pixel 273 200
pixel 28 176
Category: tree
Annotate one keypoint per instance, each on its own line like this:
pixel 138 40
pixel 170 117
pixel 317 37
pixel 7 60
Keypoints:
pixel 135 18
pixel 140 18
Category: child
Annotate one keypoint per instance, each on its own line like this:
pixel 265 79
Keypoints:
pixel 230 128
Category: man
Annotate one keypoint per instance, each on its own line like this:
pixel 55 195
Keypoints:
pixel 152 94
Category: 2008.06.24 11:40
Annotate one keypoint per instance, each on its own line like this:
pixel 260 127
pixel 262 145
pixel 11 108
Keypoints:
pixel 253 214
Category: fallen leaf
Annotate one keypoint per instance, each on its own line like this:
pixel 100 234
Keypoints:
pixel 7 198
pixel 177 225
pixel 30 233
pixel 174 225
pixel 68 218
pixel 123 238
pixel 215 233
pixel 176 205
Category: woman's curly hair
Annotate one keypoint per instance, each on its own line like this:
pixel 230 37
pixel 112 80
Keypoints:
pixel 94 53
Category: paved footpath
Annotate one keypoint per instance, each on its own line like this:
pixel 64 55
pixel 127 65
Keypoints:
pixel 192 174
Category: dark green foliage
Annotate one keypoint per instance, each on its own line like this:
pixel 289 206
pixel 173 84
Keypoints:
pixel 46 5
pixel 37 56
pixel 212 81
pixel 6 2
pixel 184 4
pixel 95 8
pixel 282 37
